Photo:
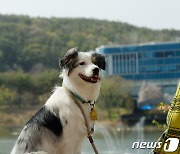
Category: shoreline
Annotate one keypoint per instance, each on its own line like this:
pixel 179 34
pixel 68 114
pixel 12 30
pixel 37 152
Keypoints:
pixel 107 124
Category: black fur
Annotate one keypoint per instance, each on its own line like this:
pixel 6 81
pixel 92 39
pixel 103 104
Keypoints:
pixel 20 141
pixel 69 60
pixel 31 136
pixel 98 60
pixel 45 118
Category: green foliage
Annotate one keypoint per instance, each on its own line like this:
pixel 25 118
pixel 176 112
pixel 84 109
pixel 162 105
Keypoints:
pixel 115 94
pixel 45 81
pixel 26 42
pixel 114 91
pixel 30 49
pixel 25 89
pixel 6 96
pixel 19 80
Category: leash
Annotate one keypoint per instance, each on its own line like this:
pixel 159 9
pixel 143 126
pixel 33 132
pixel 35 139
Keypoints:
pixel 89 132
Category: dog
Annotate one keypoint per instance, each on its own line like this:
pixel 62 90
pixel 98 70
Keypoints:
pixel 59 126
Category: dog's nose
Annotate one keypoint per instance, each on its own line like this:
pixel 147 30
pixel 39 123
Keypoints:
pixel 95 71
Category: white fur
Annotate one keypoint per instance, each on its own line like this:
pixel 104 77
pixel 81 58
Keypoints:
pixel 88 91
pixel 75 131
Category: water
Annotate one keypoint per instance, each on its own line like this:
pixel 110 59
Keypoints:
pixel 139 128
pixel 111 141
pixel 6 144
pixel 121 142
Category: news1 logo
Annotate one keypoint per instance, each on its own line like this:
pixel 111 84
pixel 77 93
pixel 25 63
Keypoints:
pixel 171 144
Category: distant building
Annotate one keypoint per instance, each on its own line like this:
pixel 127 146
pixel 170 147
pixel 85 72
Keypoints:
pixel 154 62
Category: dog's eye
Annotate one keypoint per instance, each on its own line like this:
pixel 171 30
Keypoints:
pixel 82 63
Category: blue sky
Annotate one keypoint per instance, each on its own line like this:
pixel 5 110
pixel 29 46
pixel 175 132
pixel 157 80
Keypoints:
pixel 155 14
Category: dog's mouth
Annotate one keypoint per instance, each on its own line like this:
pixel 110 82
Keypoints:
pixel 92 79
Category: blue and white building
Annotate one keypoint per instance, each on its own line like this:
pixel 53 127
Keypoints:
pixel 152 62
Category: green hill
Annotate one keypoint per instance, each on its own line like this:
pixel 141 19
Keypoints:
pixel 35 44
pixel 30 49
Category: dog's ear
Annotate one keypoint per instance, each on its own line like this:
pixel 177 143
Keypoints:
pixel 99 60
pixel 69 60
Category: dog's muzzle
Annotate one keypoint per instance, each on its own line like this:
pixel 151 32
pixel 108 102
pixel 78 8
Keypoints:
pixel 92 79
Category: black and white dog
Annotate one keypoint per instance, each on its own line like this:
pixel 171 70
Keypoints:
pixel 59 126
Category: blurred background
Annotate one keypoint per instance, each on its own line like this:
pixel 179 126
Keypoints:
pixel 141 42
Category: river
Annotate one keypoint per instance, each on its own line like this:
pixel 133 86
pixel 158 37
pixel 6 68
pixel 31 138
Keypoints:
pixel 111 141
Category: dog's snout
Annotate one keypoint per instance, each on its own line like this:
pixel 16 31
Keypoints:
pixel 96 71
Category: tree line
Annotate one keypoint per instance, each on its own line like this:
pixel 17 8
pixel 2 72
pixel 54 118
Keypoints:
pixel 30 49
pixel 29 43
pixel 23 89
